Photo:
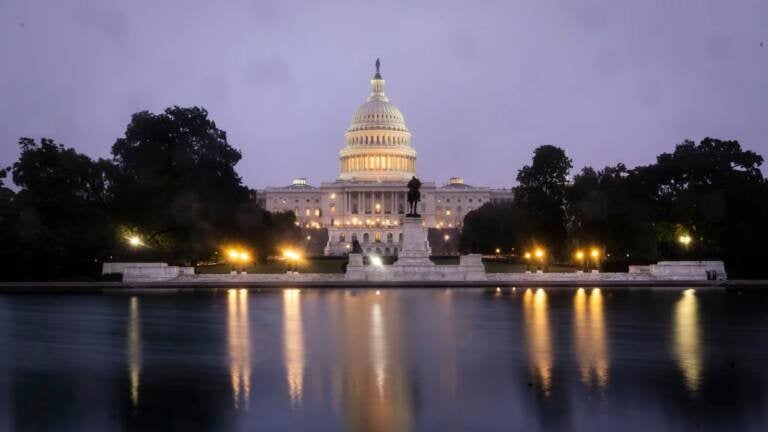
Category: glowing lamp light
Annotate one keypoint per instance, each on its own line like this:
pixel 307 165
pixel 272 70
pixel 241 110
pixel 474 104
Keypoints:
pixel 135 241
pixel 527 255
pixel 244 256
pixel 594 253
pixel 233 254
pixel 580 255
pixel 539 253
pixel 498 251
pixel 685 239
pixel 376 260
pixel 291 255
pixel 446 237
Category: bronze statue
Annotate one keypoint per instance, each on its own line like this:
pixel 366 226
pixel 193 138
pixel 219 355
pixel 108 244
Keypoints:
pixel 414 196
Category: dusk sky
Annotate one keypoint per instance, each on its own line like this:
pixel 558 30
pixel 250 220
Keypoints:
pixel 481 83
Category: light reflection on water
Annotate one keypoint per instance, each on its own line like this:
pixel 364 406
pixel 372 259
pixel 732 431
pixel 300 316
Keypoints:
pixel 134 349
pixel 687 340
pixel 293 345
pixel 538 338
pixel 404 360
pixel 589 337
pixel 239 346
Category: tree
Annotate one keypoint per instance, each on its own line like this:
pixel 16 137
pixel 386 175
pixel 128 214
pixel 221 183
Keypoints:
pixel 713 191
pixel 59 225
pixel 175 183
pixel 492 226
pixel 540 198
pixel 606 209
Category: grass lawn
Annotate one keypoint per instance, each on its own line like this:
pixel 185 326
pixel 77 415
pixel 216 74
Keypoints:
pixel 333 265
pixel 309 265
pixel 507 267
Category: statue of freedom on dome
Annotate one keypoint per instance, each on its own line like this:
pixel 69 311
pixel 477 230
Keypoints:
pixel 414 196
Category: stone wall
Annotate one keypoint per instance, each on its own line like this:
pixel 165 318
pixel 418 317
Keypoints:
pixel 119 267
pixel 157 273
pixel 470 268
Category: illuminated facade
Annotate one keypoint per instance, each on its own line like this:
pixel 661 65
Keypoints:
pixel 368 199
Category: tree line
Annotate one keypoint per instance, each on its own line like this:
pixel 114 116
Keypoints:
pixel 170 187
pixel 705 200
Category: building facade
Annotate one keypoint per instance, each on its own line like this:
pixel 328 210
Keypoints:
pixel 367 202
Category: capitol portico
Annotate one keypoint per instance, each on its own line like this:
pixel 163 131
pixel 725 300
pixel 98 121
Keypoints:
pixel 367 202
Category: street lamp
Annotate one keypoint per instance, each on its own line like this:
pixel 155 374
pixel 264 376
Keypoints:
pixel 447 238
pixel 527 257
pixel 244 257
pixel 539 254
pixel 685 240
pixel 134 241
pixel 292 257
pixel 580 258
pixel 595 254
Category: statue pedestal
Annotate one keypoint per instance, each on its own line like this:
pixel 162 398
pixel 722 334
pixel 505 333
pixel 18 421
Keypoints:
pixel 415 249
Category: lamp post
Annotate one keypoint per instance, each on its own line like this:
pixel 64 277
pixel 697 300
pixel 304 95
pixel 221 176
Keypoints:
pixel 233 255
pixel 539 254
pixel 134 241
pixel 292 257
pixel 527 257
pixel 244 258
pixel 580 258
pixel 447 239
pixel 595 254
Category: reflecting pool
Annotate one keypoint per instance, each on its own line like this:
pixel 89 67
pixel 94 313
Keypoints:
pixel 388 360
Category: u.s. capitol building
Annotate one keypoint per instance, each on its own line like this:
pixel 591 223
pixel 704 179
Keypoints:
pixel 367 202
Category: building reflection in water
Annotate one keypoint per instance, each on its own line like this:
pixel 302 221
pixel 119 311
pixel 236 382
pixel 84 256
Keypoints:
pixel 589 337
pixel 687 340
pixel 134 349
pixel 293 345
pixel 379 348
pixel 239 346
pixel 374 388
pixel 538 338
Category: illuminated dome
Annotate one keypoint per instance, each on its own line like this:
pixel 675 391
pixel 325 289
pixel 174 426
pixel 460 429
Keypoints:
pixel 378 144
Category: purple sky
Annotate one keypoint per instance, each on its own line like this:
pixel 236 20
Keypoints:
pixel 481 83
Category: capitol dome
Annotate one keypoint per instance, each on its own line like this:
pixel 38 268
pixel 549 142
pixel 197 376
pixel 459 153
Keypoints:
pixel 378 144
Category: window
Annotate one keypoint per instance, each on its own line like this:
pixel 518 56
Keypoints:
pixel 317 212
pixel 377 237
pixel 389 237
pixel 366 238
pixel 354 237
pixel 342 237
pixel 400 238
pixel 306 212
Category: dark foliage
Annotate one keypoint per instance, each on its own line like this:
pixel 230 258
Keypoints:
pixel 57 225
pixel 171 182
pixel 712 191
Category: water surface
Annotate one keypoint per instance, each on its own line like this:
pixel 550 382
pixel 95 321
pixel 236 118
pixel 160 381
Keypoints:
pixel 394 360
